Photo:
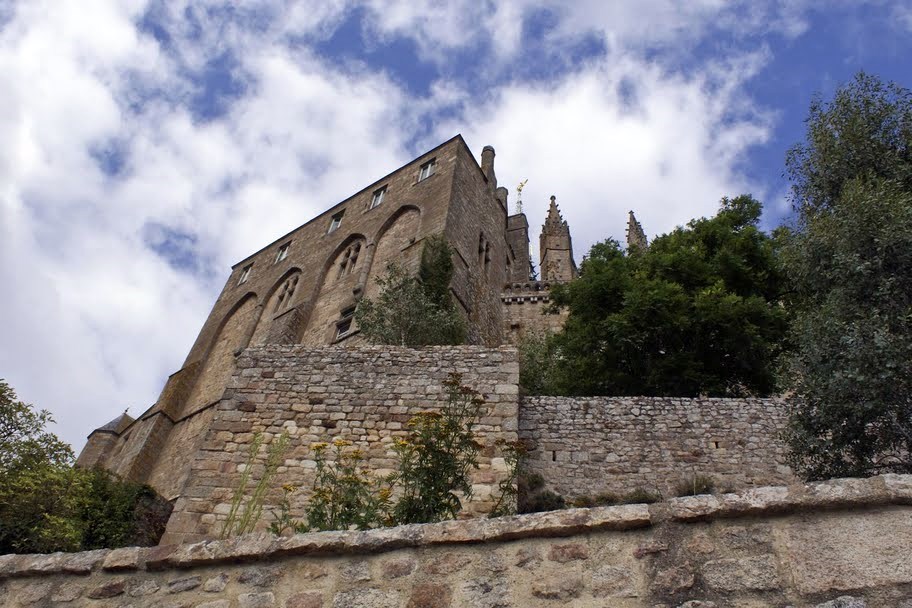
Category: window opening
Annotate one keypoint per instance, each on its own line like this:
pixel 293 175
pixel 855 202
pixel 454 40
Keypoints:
pixel 377 199
pixel 282 253
pixel 427 169
pixel 344 325
pixel 335 222
pixel 349 260
pixel 245 274
pixel 286 294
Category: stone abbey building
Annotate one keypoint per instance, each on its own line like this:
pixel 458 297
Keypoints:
pixel 281 353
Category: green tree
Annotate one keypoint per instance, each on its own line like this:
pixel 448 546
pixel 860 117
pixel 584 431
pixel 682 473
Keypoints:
pixel 414 311
pixel 849 258
pixel 696 313
pixel 47 505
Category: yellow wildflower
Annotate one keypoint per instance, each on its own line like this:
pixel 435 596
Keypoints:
pixel 341 443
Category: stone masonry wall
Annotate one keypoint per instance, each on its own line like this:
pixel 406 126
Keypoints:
pixel 591 445
pixel 364 395
pixel 524 307
pixel 839 544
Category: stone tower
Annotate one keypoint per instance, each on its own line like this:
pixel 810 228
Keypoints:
pixel 636 238
pixel 556 253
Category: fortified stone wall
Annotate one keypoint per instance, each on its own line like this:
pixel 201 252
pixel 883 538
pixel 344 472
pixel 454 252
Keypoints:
pixel 365 395
pixel 839 544
pixel 586 446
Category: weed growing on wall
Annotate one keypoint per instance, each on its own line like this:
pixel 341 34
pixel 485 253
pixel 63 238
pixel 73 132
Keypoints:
pixel 244 515
pixel 345 494
pixel 437 458
pixel 514 454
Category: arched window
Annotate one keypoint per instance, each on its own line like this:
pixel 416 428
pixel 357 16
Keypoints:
pixel 286 293
pixel 349 260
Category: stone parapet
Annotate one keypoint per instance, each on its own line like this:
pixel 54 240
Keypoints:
pixel 804 545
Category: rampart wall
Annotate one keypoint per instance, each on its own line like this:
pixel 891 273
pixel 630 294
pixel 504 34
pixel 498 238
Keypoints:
pixel 839 544
pixel 365 395
pixel 592 445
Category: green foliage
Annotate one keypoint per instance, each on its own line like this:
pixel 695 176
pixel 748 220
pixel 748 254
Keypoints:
pixel 850 261
pixel 437 458
pixel 532 495
pixel 696 313
pixel 538 363
pixel 24 441
pixel 244 514
pixel 345 495
pixel 696 485
pixel 864 131
pixel 414 311
pixel 514 454
pixel 46 505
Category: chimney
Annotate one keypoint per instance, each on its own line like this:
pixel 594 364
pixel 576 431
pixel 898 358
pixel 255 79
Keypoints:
pixel 487 166
pixel 501 195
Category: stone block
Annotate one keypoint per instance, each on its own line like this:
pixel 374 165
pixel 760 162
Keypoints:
pixel 748 574
pixel 851 550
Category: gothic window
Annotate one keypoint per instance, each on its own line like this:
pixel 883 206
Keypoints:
pixel 282 253
pixel 349 260
pixel 377 199
pixel 344 324
pixel 286 293
pixel 335 222
pixel 427 169
pixel 245 274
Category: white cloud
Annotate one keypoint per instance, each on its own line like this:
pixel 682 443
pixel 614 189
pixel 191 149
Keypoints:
pixel 669 153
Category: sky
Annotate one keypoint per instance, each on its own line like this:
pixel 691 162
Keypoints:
pixel 148 145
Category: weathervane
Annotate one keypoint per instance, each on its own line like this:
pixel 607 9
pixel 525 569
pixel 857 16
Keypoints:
pixel 519 190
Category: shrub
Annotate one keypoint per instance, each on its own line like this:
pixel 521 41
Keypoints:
pixel 437 458
pixel 47 505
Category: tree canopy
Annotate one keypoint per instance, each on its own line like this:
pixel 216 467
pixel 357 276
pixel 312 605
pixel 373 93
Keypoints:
pixel 849 259
pixel 695 313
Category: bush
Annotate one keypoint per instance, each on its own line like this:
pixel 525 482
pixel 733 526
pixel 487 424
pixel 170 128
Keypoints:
pixel 47 505
pixel 437 458
pixel 344 495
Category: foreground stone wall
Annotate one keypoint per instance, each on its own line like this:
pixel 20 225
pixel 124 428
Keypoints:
pixel 365 395
pixel 843 543
pixel 592 445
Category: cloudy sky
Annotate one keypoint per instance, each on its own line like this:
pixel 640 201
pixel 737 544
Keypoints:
pixel 148 145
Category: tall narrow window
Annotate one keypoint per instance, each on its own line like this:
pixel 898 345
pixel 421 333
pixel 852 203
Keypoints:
pixel 245 274
pixel 282 253
pixel 427 169
pixel 377 199
pixel 335 222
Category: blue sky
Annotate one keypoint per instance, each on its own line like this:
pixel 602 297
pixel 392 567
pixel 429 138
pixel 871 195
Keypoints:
pixel 150 144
